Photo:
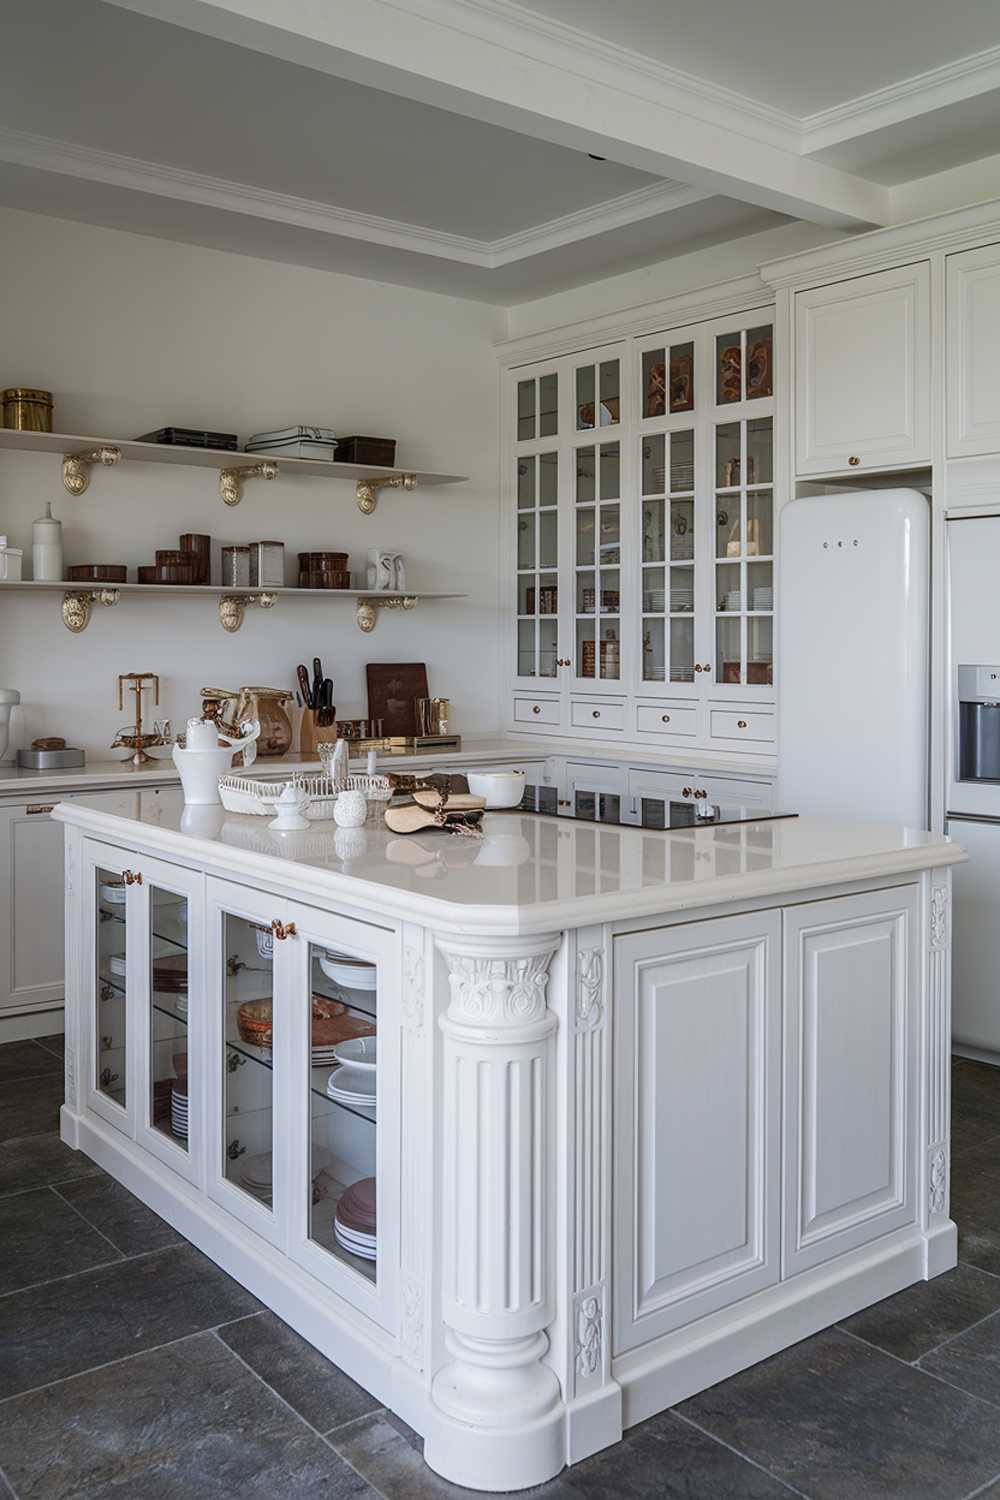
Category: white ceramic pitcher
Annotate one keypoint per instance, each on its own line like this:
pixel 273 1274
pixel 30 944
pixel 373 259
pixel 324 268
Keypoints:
pixel 209 755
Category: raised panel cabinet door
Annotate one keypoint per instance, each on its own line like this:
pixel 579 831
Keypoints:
pixel 31 907
pixel 697 1128
pixel 973 321
pixel 862 373
pixel 850 985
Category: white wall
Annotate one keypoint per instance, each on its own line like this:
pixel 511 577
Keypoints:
pixel 134 333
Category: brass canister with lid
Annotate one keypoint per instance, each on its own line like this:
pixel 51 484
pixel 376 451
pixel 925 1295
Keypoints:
pixel 26 409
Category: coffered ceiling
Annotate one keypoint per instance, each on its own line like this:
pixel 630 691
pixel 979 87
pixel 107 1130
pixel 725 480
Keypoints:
pixel 450 144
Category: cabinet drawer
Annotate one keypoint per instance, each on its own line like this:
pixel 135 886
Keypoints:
pixel 585 713
pixel 536 710
pixel 731 724
pixel 674 786
pixel 652 718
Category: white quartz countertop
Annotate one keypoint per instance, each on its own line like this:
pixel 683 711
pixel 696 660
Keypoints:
pixel 527 874
pixel 476 750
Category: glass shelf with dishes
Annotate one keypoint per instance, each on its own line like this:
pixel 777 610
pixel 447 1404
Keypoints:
pixel 168 1021
pixel 111 1021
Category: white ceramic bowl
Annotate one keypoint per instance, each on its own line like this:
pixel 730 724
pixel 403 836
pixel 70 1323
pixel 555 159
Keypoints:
pixel 500 788
pixel 115 894
pixel 358 1052
pixel 353 976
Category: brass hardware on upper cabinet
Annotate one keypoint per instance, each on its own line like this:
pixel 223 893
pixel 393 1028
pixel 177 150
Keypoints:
pixel 686 792
pixel 596 714
pixel 697 666
pixel 564 661
pixel 282 930
pixel 536 709
pixel 38 807
pixel 854 461
pixel 707 667
pixel 664 718
pixel 701 794
pixel 741 723
pixel 131 878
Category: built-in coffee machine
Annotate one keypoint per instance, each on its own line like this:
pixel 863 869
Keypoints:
pixel 979 723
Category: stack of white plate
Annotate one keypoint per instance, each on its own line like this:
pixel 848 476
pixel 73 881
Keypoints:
pixel 353 1085
pixel 762 598
pixel 179 1110
pixel 116 963
pixel 681 598
pixel 654 601
pixel 352 973
pixel 256 1176
pixel 731 601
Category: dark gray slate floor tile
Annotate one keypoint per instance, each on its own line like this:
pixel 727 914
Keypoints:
pixel 916 1320
pixel 56 1043
pixel 317 1389
pixel 68 1326
pixel 843 1421
pixel 668 1459
pixel 39 1160
pixel 975 1085
pixel 119 1215
pixel 975 1205
pixel 26 1060
pixel 30 1106
pixel 41 1237
pixel 186 1421
pixel 971 1361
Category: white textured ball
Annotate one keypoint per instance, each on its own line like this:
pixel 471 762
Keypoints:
pixel 350 810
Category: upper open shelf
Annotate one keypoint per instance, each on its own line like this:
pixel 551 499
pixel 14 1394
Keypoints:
pixel 81 454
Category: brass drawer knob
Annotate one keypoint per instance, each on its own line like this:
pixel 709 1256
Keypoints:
pixel 854 461
pixel 596 713
pixel 686 792
pixel 665 719
pixel 536 709
pixel 741 723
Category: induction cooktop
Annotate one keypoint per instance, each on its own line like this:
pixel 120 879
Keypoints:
pixel 622 811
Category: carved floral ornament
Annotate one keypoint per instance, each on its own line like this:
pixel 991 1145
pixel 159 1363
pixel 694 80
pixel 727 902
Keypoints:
pixel 497 987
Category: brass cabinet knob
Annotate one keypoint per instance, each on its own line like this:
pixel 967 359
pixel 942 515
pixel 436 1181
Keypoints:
pixel 854 461
pixel 686 792
pixel 741 723
pixel 282 930
pixel 701 794
pixel 707 667
pixel 697 666
pixel 596 713
pixel 664 718
pixel 536 709
pixel 131 878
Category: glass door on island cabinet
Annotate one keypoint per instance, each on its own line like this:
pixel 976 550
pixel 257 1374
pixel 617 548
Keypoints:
pixel 345 1097
pixel 743 524
pixel 536 523
pixel 596 538
pixel 110 915
pixel 248 1056
pixel 170 941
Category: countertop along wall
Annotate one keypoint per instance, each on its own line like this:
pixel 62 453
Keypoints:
pixel 134 333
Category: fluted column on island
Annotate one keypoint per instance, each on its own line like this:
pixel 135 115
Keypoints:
pixel 497 1407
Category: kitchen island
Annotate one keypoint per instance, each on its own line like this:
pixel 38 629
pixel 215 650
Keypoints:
pixel 534 1134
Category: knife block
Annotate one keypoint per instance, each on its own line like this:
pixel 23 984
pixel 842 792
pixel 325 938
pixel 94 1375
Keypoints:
pixel 312 734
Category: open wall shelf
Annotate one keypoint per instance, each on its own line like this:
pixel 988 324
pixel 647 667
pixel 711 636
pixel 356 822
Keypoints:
pixel 81 454
pixel 233 603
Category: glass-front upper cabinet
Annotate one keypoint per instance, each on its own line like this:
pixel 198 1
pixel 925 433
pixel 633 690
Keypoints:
pixel 536 522
pixel 595 520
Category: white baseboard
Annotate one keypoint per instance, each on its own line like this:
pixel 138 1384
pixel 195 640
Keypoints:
pixel 31 1023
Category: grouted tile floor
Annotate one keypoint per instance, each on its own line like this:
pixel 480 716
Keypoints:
pixel 131 1367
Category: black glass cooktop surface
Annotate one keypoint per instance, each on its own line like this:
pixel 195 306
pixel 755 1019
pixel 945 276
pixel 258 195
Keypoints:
pixel 625 811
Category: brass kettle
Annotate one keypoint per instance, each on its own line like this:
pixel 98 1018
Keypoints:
pixel 265 704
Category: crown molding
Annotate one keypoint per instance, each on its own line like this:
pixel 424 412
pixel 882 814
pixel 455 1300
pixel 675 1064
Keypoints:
pixel 740 294
pixel 935 89
pixel 883 248
pixel 65 158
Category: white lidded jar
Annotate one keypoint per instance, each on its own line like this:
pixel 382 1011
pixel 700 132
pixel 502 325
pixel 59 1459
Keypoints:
pixel 47 547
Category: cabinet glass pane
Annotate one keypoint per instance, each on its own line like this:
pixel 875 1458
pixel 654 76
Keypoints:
pixel 525 483
pixel 760 523
pixel 654 464
pixel 610 534
pixel 682 530
pixel 682 461
pixel 728 525
pixel 653 591
pixel 525 541
pixel 585 476
pixel 610 380
pixel 586 649
pixel 585 537
pixel 728 369
pixel 759 449
pixel 653 658
pixel 760 590
pixel 247 1077
pixel 760 375
pixel 343 1077
pixel 525 410
pixel 611 471
pixel 653 532
pixel 727 455
pixel 728 654
pixel 585 402
pixel 548 648
pixel 548 594
pixel 728 596
pixel 760 650
pixel 525 648
pixel 610 591
pixel 547 539
pixel 682 651
pixel 168 1021
pixel 682 378
pixel 548 405
pixel 548 478
pixel 681 591
pixel 586 592
pixel 610 657
pixel 110 1026
pixel 654 383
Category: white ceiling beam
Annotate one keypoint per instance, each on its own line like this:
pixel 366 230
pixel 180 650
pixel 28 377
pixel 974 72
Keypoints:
pixel 481 59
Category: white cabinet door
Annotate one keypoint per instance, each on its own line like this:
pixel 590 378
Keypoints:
pixel 973 319
pixel 698 1042
pixel 862 373
pixel 976 942
pixel 851 991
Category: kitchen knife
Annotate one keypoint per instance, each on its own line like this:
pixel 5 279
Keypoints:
pixel 317 683
pixel 303 677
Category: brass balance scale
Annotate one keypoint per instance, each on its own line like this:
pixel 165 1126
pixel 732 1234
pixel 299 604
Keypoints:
pixel 134 739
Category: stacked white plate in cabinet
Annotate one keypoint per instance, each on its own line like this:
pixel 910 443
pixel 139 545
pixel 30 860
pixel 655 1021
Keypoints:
pixel 354 1220
pixel 256 1176
pixel 179 1110
pixel 352 973
pixel 354 1086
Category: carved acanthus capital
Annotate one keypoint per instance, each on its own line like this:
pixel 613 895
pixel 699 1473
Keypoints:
pixel 493 985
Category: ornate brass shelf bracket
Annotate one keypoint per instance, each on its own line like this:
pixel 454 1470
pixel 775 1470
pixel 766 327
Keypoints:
pixel 232 608
pixel 77 466
pixel 231 481
pixel 367 490
pixel 76 606
pixel 368 608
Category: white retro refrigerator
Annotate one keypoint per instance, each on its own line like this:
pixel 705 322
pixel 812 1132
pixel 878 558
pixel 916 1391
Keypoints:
pixel 853 628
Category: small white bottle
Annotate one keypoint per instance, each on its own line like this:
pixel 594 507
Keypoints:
pixel 47 547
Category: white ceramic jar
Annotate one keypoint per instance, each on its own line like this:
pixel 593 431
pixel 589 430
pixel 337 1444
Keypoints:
pixel 47 547
pixel 350 809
